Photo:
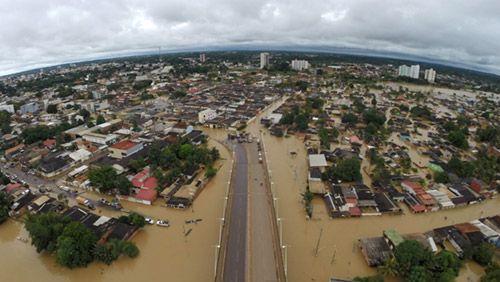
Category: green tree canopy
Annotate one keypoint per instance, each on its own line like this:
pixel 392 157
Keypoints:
pixel 75 246
pixel 44 229
pixel 345 170
pixel 4 206
pixel 411 254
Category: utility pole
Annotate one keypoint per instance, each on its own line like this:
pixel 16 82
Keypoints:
pixel 334 254
pixel 317 244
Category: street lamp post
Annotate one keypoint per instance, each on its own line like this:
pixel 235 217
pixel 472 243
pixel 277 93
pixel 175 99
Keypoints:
pixel 285 254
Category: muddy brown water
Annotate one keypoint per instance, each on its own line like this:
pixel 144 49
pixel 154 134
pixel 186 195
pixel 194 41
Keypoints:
pixel 337 253
pixel 166 254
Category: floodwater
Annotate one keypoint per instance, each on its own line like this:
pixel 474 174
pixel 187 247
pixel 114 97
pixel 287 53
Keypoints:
pixel 166 253
pixel 321 248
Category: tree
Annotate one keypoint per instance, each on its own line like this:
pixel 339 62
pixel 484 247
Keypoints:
pixel 441 177
pixel 421 111
pixel 418 274
pixel 5 122
pixel 488 134
pixel 483 254
pixel 372 116
pixel 130 249
pixel 100 120
pixel 124 185
pixel 210 172
pixel 136 165
pixel 133 219
pixel 44 229
pixel 75 246
pixel 389 268
pixel 302 121
pixel 178 94
pixel 185 151
pixel 444 264
pixel 105 253
pixel 137 220
pixel 492 273
pixel 106 179
pixel 458 139
pixel 345 170
pixel 350 118
pixel 52 109
pixel 84 113
pixel 302 85
pixel 103 178
pixel 410 254
pixel 4 207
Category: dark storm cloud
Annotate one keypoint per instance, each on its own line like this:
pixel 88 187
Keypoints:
pixel 35 33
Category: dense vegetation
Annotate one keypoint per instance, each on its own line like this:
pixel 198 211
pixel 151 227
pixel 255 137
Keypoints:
pixel 4 206
pixel 106 179
pixel 345 170
pixel 72 243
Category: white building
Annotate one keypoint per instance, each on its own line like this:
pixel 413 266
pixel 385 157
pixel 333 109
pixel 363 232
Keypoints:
pixel 80 155
pixel 264 60
pixel 300 65
pixel 124 149
pixel 404 70
pixel 206 115
pixel 415 71
pixel 29 108
pixel 409 71
pixel 7 107
pixel 203 57
pixel 430 75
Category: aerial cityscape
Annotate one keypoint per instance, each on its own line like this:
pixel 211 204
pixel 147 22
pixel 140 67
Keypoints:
pixel 196 145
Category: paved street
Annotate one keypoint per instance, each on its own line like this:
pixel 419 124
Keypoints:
pixel 263 264
pixel 235 261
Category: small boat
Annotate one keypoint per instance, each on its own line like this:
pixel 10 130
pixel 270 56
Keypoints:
pixel 163 223
pixel 189 221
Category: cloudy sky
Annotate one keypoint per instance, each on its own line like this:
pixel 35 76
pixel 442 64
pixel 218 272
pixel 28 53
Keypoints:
pixel 35 33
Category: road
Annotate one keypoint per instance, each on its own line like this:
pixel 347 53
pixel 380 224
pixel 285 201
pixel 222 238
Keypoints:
pixel 263 263
pixel 235 258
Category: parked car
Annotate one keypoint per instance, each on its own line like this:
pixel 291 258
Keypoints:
pixel 163 223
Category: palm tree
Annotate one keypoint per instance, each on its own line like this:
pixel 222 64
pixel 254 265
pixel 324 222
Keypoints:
pixel 389 268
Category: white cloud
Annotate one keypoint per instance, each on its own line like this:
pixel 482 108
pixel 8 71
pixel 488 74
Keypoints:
pixel 34 33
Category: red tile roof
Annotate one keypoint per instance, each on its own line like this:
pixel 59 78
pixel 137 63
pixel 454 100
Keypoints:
pixel 124 145
pixel 147 194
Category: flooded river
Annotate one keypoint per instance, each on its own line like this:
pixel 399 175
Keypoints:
pixel 166 254
pixel 321 248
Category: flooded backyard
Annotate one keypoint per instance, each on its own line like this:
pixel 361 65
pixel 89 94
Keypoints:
pixel 166 253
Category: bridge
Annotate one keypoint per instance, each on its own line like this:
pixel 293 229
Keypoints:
pixel 250 249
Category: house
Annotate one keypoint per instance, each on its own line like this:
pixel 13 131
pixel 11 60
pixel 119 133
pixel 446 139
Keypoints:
pixel 143 180
pixel 317 160
pixel 124 149
pixel 12 152
pixel 354 140
pixel 375 250
pixel 80 155
pixel 147 196
pixel 206 115
pixel 392 238
pixel 49 143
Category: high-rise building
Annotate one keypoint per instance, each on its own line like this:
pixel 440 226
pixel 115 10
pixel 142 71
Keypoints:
pixel 203 57
pixel 404 70
pixel 300 65
pixel 409 71
pixel 415 71
pixel 430 75
pixel 264 60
